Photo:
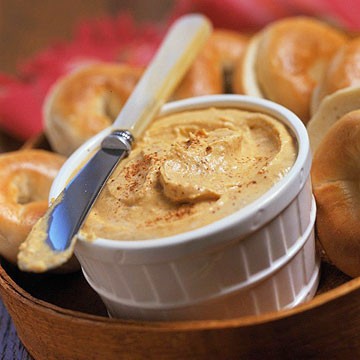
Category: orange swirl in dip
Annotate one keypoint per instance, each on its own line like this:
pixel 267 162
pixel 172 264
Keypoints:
pixel 191 169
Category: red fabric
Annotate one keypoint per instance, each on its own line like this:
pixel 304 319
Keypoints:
pixel 20 107
pixel 252 14
pixel 233 14
pixel 105 39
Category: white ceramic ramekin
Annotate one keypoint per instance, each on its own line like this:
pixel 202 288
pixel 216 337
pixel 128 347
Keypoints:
pixel 258 259
pixel 284 283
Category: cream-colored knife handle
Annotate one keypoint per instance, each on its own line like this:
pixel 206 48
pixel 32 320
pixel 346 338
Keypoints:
pixel 179 49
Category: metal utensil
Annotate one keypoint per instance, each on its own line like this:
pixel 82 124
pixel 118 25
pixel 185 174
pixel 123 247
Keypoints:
pixel 52 239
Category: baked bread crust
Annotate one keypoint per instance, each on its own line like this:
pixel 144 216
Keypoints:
pixel 342 71
pixel 25 180
pixel 336 177
pixel 287 59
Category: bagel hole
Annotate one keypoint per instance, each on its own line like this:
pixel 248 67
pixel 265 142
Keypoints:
pixel 228 73
pixel 30 187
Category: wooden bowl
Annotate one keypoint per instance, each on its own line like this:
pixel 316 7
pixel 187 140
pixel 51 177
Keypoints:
pixel 61 317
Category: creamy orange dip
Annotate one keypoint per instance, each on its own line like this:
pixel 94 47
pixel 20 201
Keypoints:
pixel 191 169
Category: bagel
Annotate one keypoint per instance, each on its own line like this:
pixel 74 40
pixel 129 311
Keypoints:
pixel 86 101
pixel 335 177
pixel 332 108
pixel 244 77
pixel 285 60
pixel 230 46
pixel 25 179
pixel 204 76
pixel 342 71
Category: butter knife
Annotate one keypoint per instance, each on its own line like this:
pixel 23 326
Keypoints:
pixel 51 241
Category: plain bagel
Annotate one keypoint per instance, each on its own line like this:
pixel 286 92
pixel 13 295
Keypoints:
pixel 336 178
pixel 285 61
pixel 25 179
pixel 86 101
pixel 204 76
pixel 342 71
pixel 230 46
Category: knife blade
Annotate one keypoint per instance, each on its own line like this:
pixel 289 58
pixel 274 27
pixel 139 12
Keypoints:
pixel 79 195
pixel 52 239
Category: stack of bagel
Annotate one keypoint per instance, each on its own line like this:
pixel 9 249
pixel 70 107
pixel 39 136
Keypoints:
pixel 304 64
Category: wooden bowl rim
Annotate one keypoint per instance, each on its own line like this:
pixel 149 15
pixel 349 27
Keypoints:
pixel 10 286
